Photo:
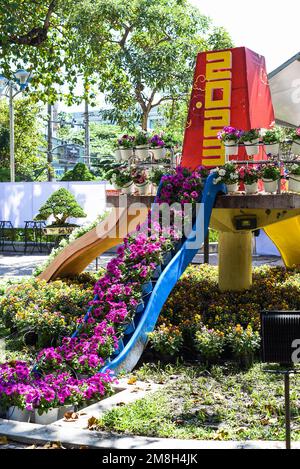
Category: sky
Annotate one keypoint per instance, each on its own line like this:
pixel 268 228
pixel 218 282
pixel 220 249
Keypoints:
pixel 268 27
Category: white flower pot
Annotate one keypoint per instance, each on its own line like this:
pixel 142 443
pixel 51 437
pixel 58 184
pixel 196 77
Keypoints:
pixel 19 415
pixel 142 152
pixel 47 417
pixel 231 148
pixel 118 155
pixel 158 153
pixel 296 148
pixel 154 188
pixel 272 148
pixel 62 410
pixel 126 153
pixel 251 188
pixel 294 183
pixel 252 148
pixel 142 188
pixel 128 188
pixel 270 185
pixel 116 187
pixel 231 188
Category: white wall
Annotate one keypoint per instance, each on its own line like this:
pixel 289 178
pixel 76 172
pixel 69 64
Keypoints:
pixel 21 201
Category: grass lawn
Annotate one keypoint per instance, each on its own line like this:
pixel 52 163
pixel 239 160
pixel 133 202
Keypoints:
pixel 220 404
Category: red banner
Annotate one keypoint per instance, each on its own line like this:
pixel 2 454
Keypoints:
pixel 230 88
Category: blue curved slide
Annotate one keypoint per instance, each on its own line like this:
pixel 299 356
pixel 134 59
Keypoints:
pixel 135 337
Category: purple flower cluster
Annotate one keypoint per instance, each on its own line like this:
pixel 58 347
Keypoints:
pixel 183 187
pixel 157 141
pixel 230 133
pixel 21 388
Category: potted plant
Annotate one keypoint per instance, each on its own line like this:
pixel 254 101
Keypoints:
pixel 230 136
pixel 155 177
pixel 141 182
pixel 270 175
pixel 249 176
pixel 61 205
pixel 294 177
pixel 123 180
pixel 296 142
pixel 251 141
pixel 126 144
pixel 227 175
pixel 157 145
pixel 271 140
pixel 142 145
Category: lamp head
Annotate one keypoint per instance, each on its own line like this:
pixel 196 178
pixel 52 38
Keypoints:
pixel 22 77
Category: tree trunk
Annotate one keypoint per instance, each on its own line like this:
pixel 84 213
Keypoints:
pixel 145 116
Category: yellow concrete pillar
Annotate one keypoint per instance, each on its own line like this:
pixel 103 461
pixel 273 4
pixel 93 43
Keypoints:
pixel 235 261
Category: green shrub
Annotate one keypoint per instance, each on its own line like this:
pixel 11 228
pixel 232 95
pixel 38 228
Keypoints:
pixel 80 172
pixel 47 311
pixel 62 205
pixel 210 344
pixel 244 344
pixel 166 340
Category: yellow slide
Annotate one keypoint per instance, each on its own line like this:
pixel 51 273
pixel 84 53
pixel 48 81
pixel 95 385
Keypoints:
pixel 286 236
pixel 81 252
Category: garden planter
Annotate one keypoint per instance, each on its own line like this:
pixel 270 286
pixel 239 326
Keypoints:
pixel 62 410
pixel 140 307
pixel 167 258
pixel 19 415
pixel 272 148
pixel 58 230
pixel 296 148
pixel 147 288
pixel 142 189
pixel 231 188
pixel 118 155
pixel 252 148
pixel 128 188
pixel 126 153
pixel 154 188
pixel 294 183
pixel 231 148
pixel 157 272
pixel 47 417
pixel 158 153
pixel 251 188
pixel 142 152
pixel 270 185
pixel 116 187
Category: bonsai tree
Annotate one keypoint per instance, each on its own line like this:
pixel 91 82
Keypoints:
pixel 80 172
pixel 62 205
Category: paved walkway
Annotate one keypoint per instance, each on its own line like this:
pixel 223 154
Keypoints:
pixel 20 265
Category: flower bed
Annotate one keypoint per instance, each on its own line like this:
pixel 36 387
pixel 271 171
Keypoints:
pixel 202 316
pixel 117 297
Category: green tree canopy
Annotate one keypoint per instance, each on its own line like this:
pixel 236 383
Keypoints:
pixel 62 205
pixel 80 172
pixel 29 138
pixel 142 53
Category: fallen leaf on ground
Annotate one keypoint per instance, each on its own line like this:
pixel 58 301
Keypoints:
pixel 70 417
pixel 3 440
pixel 92 423
pixel 132 380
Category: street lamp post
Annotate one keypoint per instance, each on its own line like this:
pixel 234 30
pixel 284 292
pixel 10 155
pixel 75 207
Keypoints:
pixel 21 79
